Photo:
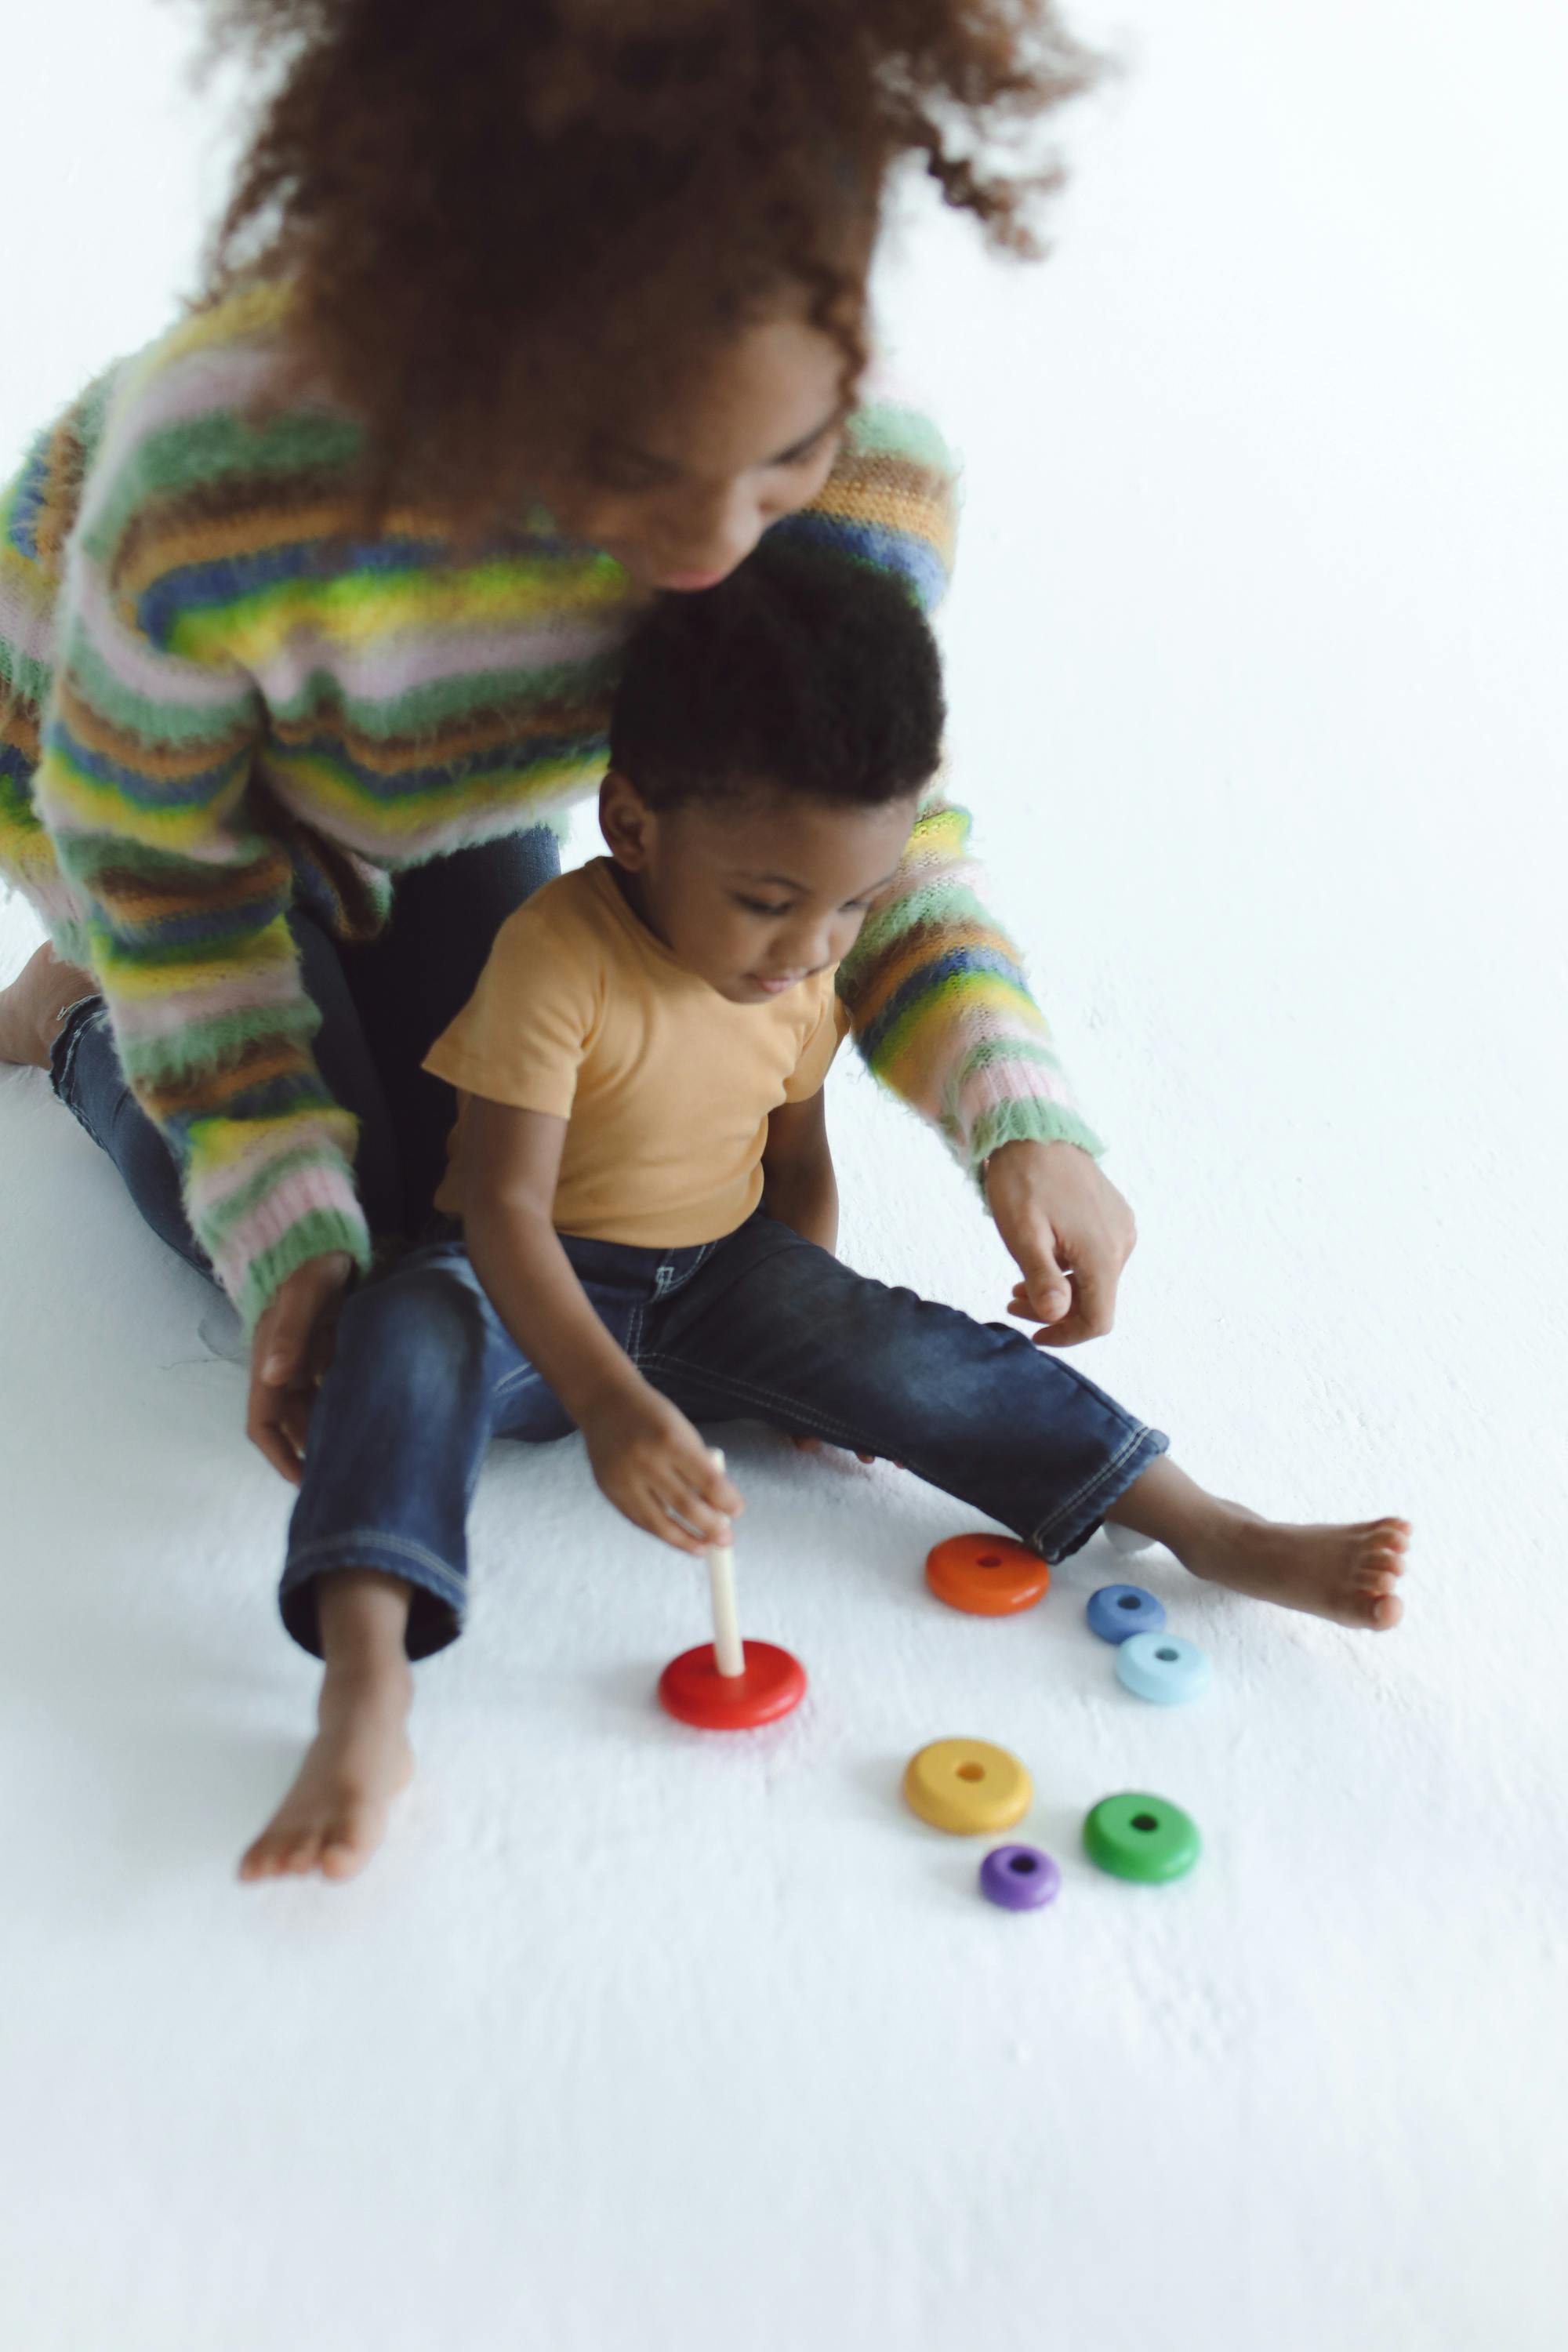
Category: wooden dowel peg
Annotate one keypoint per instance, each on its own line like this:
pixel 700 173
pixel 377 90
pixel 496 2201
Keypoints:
pixel 728 1651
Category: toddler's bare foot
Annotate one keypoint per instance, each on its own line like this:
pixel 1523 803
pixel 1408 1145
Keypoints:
pixel 1345 1573
pixel 30 1008
pixel 335 1816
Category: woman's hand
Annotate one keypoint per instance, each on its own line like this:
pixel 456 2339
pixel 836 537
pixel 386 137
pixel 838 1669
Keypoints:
pixel 654 1466
pixel 814 1445
pixel 289 1356
pixel 1069 1231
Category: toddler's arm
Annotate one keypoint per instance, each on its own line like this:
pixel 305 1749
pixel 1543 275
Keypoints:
pixel 799 1184
pixel 646 1455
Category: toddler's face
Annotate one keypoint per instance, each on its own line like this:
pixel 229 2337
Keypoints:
pixel 756 894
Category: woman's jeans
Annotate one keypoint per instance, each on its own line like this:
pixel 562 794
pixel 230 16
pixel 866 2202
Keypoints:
pixel 382 1005
pixel 762 1326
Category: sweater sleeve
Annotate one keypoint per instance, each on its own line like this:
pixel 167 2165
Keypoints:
pixel 934 989
pixel 178 896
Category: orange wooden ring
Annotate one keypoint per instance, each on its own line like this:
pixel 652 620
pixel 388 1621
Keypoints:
pixel 989 1575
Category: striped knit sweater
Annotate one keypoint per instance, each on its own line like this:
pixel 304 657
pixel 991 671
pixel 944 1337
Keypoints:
pixel 205 684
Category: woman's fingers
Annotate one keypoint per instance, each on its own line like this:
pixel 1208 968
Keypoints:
pixel 294 1419
pixel 288 1355
pixel 264 1425
pixel 814 1445
pixel 281 1337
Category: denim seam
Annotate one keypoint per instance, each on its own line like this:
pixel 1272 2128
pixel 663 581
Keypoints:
pixel 840 1433
pixel 751 1392
pixel 61 1080
pixel 1079 1505
pixel 452 1585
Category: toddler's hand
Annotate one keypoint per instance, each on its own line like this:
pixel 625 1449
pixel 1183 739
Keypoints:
pixel 655 1469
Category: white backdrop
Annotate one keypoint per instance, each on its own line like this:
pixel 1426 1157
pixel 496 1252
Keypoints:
pixel 635 2043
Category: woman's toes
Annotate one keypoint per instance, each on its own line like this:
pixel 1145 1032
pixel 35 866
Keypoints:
pixel 346 1849
pixel 269 1857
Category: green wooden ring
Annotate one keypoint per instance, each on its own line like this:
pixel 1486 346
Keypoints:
pixel 1140 1837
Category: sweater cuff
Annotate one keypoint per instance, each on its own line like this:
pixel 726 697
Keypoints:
pixel 1029 1118
pixel 315 1234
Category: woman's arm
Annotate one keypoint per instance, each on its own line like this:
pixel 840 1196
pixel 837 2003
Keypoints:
pixel 935 989
pixel 177 899
pixel 646 1456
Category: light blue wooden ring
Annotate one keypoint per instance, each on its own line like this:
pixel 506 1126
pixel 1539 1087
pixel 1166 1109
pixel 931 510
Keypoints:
pixel 1163 1667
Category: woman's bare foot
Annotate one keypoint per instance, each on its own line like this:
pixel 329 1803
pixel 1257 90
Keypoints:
pixel 335 1816
pixel 32 1006
pixel 1345 1573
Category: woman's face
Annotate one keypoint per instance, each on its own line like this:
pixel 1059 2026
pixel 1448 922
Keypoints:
pixel 682 496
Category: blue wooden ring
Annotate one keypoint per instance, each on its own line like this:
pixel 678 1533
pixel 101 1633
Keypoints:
pixel 1119 1611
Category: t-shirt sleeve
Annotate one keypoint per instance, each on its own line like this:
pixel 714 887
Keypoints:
pixel 817 1055
pixel 521 1036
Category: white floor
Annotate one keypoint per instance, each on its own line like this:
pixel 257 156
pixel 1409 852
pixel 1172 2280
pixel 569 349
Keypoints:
pixel 634 2041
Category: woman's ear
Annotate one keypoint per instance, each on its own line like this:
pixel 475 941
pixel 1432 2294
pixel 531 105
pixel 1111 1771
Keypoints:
pixel 627 822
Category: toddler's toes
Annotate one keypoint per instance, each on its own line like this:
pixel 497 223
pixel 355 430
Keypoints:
pixel 1388 1535
pixel 1372 1581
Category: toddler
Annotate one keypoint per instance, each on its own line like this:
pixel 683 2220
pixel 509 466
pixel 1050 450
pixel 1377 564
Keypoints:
pixel 638 1222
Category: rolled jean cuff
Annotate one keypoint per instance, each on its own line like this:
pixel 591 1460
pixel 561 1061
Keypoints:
pixel 438 1593
pixel 1071 1524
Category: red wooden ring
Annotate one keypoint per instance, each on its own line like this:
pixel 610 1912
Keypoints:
pixel 692 1689
pixel 988 1576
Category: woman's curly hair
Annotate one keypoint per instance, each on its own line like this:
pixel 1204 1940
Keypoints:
pixel 495 210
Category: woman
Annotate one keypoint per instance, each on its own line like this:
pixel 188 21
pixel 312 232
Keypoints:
pixel 309 615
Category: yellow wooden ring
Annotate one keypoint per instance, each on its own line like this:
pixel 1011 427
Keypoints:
pixel 967 1785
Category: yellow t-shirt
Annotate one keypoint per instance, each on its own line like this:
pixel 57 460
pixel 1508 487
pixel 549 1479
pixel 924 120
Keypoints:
pixel 665 1085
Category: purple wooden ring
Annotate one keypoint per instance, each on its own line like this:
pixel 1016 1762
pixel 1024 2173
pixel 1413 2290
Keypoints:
pixel 1018 1877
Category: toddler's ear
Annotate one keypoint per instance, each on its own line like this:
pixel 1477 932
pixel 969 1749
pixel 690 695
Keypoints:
pixel 625 821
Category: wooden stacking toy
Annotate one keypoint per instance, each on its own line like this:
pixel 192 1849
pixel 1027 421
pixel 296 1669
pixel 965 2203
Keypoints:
pixel 728 1685
pixel 988 1576
pixel 1163 1667
pixel 1117 1611
pixel 1019 1878
pixel 1140 1837
pixel 968 1786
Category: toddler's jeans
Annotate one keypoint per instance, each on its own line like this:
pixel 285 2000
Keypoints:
pixel 760 1326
